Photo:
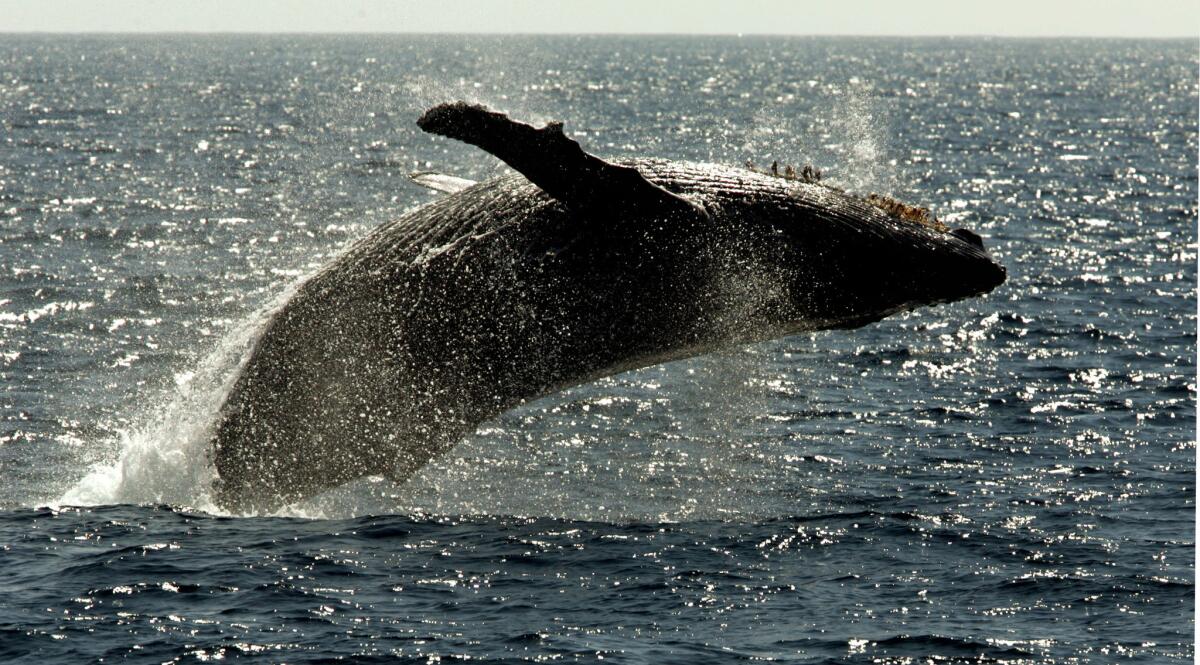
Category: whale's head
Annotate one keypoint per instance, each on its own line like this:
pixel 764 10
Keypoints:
pixel 767 257
pixel 829 259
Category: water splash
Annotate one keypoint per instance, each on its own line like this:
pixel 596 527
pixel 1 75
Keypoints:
pixel 845 131
pixel 861 130
pixel 164 460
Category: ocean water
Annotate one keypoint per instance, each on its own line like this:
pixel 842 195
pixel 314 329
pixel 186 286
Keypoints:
pixel 1008 479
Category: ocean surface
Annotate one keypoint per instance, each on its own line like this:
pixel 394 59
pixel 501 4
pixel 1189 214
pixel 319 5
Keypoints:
pixel 1009 479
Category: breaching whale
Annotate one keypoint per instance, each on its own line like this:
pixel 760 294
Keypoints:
pixel 571 269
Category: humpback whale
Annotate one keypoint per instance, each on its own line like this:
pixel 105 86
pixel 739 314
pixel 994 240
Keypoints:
pixel 567 270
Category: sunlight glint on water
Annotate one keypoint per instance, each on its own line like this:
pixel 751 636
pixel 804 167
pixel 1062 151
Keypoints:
pixel 1008 479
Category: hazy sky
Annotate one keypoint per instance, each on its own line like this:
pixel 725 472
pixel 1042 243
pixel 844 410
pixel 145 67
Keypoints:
pixel 1128 18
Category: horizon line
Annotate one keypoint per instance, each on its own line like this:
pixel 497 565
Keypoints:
pixel 451 33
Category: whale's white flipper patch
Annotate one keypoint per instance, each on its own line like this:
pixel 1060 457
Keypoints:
pixel 440 182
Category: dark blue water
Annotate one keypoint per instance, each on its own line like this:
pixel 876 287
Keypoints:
pixel 1008 479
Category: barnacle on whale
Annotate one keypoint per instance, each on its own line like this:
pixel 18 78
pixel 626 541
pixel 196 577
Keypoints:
pixel 808 174
pixel 907 212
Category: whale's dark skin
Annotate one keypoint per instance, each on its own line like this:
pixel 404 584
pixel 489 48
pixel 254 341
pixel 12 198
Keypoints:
pixel 571 269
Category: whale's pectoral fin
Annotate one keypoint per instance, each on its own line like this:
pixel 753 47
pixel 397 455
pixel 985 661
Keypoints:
pixel 556 163
pixel 440 182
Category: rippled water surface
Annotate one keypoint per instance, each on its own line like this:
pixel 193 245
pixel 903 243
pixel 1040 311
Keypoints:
pixel 1008 479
